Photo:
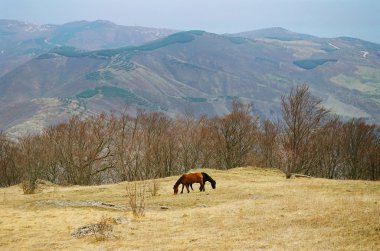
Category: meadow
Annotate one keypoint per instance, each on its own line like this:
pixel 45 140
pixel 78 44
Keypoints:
pixel 250 209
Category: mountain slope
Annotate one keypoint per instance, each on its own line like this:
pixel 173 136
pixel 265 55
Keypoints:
pixel 200 73
pixel 20 42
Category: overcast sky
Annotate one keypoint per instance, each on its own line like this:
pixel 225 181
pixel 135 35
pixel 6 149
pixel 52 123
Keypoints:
pixel 325 18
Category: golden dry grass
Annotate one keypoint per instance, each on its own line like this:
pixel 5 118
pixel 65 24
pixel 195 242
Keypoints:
pixel 251 209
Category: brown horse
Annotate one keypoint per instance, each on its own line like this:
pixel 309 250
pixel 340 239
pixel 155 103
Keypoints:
pixel 187 179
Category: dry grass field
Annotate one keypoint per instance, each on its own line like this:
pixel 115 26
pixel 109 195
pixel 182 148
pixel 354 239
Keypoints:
pixel 251 209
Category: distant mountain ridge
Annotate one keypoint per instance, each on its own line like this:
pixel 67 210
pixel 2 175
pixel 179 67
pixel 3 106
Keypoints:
pixel 274 33
pixel 22 41
pixel 191 72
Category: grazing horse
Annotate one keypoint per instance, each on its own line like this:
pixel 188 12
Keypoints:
pixel 187 179
pixel 208 178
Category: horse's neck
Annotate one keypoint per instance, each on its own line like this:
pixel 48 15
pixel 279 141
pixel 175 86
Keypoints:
pixel 177 183
pixel 207 177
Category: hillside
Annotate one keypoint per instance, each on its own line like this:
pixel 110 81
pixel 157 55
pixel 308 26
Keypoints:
pixel 20 41
pixel 250 209
pixel 193 72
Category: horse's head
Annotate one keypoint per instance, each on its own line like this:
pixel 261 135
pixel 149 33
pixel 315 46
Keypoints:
pixel 213 185
pixel 175 190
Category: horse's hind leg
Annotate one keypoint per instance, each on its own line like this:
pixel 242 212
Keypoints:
pixel 191 186
pixel 187 187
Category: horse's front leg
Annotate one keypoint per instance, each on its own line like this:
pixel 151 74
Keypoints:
pixel 182 188
pixel 202 187
pixel 187 187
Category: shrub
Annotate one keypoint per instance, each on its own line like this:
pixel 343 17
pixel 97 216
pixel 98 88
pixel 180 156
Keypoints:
pixel 136 198
pixel 154 187
pixel 101 230
pixel 29 186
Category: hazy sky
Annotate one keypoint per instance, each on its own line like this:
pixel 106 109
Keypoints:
pixel 326 18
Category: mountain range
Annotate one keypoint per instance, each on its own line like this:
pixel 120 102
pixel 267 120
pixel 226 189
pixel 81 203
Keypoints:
pixel 49 72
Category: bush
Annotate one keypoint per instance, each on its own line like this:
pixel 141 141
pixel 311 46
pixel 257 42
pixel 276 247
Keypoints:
pixel 136 198
pixel 154 187
pixel 100 231
pixel 29 186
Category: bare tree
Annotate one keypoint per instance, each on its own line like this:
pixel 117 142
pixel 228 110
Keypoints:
pixel 54 171
pixel 268 144
pixel 302 115
pixel 83 149
pixel 374 155
pixel 159 146
pixel 32 158
pixel 235 136
pixel 192 142
pixel 330 154
pixel 360 140
pixel 128 146
pixel 10 173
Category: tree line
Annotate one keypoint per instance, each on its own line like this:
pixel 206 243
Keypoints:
pixel 111 147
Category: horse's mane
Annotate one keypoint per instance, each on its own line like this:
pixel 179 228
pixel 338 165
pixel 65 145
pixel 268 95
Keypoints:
pixel 178 182
pixel 207 177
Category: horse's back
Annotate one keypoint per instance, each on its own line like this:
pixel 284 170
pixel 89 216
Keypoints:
pixel 190 178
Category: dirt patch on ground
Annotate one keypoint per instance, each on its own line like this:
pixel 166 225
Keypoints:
pixel 65 203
